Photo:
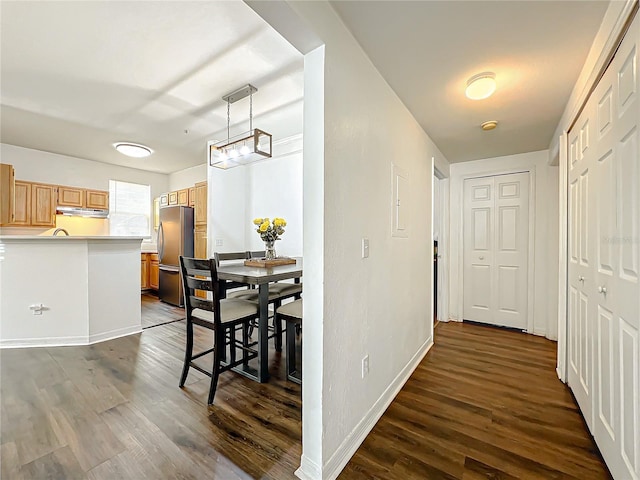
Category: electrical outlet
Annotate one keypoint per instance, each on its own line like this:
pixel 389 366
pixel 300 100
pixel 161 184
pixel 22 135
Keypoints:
pixel 218 242
pixel 365 366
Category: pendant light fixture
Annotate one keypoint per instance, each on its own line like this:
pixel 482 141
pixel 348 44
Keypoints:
pixel 243 149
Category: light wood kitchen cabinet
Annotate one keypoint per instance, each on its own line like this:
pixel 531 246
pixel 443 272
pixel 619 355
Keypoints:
pixel 70 196
pixel 173 198
pixel 22 203
pixel 164 199
pixel 192 196
pixel 144 271
pixel 201 203
pixel 183 197
pixel 154 271
pixel 200 241
pixel 43 205
pixel 97 199
pixel 7 185
pixel 149 271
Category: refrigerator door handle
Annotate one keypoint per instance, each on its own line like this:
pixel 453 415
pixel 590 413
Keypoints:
pixel 160 242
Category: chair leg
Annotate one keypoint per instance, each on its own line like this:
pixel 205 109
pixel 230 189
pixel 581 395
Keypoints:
pixel 232 344
pixel 245 343
pixel 291 352
pixel 277 325
pixel 219 346
pixel 188 353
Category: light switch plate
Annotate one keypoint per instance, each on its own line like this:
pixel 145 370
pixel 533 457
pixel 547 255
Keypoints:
pixel 365 248
pixel 218 242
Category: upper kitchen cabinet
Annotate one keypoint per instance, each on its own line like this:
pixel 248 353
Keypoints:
pixel 97 199
pixel 201 203
pixel 22 204
pixel 70 197
pixel 7 185
pixel 43 205
pixel 192 197
pixel 173 198
pixel 183 197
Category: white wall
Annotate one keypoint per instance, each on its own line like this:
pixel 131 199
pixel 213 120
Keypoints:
pixel 355 127
pixel 45 167
pixel 268 188
pixel 545 197
pixel 188 177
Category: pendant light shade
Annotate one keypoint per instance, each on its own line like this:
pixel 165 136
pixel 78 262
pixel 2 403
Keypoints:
pixel 243 149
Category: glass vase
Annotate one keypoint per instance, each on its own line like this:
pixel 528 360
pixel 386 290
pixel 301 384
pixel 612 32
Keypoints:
pixel 270 249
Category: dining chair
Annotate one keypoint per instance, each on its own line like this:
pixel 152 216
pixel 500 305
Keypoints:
pixel 223 317
pixel 280 291
pixel 292 314
pixel 239 290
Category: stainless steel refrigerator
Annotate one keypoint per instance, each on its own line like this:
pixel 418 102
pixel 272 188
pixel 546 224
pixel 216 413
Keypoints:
pixel 175 238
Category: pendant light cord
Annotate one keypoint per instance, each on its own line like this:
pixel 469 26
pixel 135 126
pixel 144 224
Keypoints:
pixel 228 120
pixel 251 112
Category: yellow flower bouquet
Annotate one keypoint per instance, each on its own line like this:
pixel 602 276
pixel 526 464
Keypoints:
pixel 270 231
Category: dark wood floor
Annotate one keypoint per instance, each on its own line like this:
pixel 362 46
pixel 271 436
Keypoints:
pixel 484 404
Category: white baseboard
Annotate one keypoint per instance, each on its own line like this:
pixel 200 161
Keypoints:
pixel 348 447
pixel 44 342
pixel 308 470
pixel 69 341
pixel 119 332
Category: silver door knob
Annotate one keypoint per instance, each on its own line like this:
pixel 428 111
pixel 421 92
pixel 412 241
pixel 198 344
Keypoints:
pixel 602 290
pixel 481 257
pixel 580 278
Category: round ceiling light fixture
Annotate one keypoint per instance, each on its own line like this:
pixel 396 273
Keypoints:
pixel 134 150
pixel 490 125
pixel 481 86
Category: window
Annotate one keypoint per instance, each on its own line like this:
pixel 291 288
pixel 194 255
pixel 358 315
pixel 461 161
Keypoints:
pixel 129 209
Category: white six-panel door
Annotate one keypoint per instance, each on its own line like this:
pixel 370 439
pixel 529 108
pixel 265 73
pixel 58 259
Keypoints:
pixel 496 237
pixel 604 262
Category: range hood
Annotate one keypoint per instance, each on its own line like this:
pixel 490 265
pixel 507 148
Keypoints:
pixel 82 212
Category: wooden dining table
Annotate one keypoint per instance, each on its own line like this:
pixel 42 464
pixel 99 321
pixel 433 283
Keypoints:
pixel 261 278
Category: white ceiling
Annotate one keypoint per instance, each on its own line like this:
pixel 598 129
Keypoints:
pixel 427 50
pixel 79 76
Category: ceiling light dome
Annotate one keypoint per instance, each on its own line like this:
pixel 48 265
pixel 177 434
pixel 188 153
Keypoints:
pixel 133 149
pixel 481 86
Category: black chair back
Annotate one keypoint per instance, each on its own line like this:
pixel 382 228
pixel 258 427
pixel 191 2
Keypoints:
pixel 192 268
pixel 230 256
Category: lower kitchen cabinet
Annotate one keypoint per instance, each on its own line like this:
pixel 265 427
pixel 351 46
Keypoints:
pixel 144 271
pixel 149 271
pixel 154 271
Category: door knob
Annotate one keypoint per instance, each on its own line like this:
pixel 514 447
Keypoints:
pixel 602 289
pixel 580 278
pixel 481 257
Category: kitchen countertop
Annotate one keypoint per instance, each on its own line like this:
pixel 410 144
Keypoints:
pixel 10 238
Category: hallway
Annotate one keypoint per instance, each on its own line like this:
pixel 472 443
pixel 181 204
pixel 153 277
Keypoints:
pixel 485 403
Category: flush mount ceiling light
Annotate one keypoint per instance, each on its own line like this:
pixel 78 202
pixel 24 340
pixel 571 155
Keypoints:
pixel 490 125
pixel 241 149
pixel 481 86
pixel 133 149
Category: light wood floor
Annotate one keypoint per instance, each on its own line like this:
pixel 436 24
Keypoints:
pixel 484 403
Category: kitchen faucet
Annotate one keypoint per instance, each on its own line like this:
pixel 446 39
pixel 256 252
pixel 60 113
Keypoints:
pixel 58 230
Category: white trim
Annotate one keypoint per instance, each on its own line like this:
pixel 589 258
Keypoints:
pixel 69 341
pixel 119 332
pixel 562 258
pixel 531 170
pixel 308 470
pixel 44 342
pixel 348 447
pixel 443 250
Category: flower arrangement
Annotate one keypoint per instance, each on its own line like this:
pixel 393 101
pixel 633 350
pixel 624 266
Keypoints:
pixel 269 232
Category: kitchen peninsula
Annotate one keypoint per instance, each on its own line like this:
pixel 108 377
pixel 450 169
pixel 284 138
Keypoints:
pixel 68 290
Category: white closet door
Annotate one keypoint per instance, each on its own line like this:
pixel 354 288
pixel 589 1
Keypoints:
pixel 604 346
pixel 496 236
